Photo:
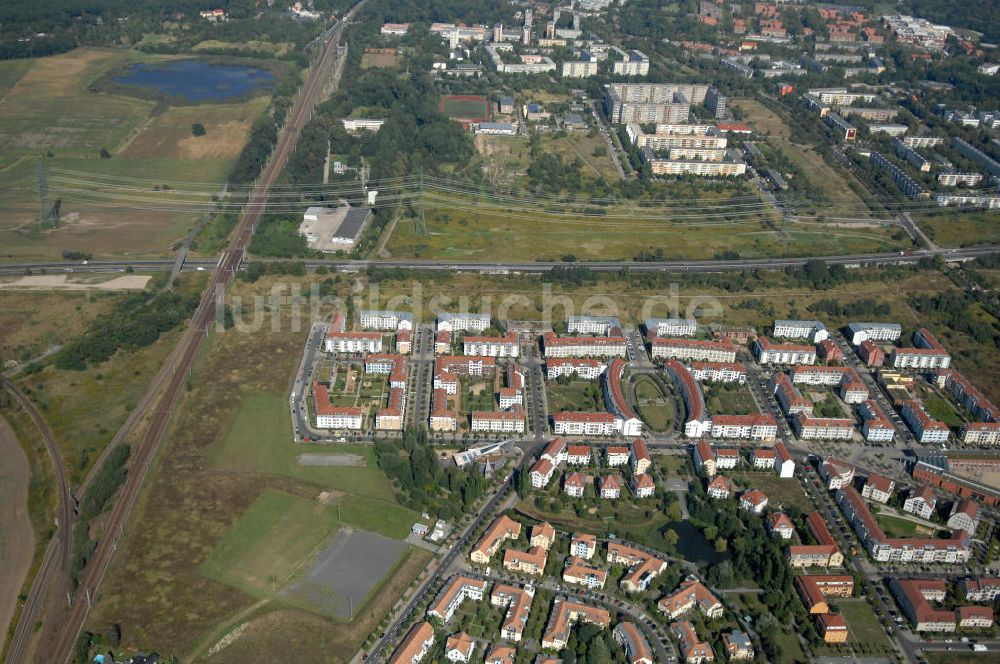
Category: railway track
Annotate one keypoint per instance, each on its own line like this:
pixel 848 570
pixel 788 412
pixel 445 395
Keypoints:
pixel 55 566
pixel 174 374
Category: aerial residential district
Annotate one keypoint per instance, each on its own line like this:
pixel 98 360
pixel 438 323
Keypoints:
pixel 512 332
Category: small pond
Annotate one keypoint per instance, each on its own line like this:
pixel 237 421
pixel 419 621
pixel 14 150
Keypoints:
pixel 197 80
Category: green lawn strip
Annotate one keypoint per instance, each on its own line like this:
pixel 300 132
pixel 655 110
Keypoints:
pixel 863 623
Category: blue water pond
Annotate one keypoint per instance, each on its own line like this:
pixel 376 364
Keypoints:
pixel 196 80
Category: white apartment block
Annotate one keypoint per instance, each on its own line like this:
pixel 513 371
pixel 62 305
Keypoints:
pixel 586 424
pixel 353 342
pixel 981 433
pixel 760 427
pixel 501 421
pixel 876 427
pixel 579 68
pixel 822 428
pixel 692 349
pixel 813 330
pixel 926 430
pixel 695 167
pixel 584 346
pixel 374 319
pixel 462 322
pixel 492 346
pixel 770 353
pixel 601 325
pixel 589 368
pixel 671 327
pixel 718 372
pixel 670 139
pixel 858 332
pixel 818 375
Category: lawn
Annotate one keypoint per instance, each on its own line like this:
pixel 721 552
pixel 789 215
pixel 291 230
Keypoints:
pixel 867 634
pixel 582 145
pixel 466 107
pixel 780 492
pixel 525 229
pixel 477 393
pixel 654 407
pixel 270 542
pixel 953 228
pixel 939 408
pixel 576 395
pixel 895 526
pixel 729 399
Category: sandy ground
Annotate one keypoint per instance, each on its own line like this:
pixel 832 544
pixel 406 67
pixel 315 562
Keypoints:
pixel 62 282
pixel 17 541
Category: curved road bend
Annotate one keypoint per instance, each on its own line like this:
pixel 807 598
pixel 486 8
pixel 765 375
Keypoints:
pixel 181 363
pixel 55 563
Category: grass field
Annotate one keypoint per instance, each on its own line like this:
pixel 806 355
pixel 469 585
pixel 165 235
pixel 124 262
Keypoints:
pixel 654 407
pixel 895 526
pixel 958 229
pixel 469 107
pixel 780 492
pixel 230 443
pixel 572 396
pixel 864 625
pixel 108 207
pixel 382 60
pixel 32 322
pixel 582 145
pixel 459 227
pixel 939 408
pixel 729 399
pixel 270 542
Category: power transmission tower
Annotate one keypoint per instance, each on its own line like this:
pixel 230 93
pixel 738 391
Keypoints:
pixel 42 191
pixel 421 222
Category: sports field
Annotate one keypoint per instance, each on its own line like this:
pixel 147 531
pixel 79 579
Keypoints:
pixel 471 108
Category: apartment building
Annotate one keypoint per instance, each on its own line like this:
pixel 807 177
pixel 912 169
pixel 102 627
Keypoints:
pixel 610 487
pixel 768 352
pixel 390 418
pixel 583 346
pixel 720 488
pixel 971 397
pixel 499 421
pixel 642 486
pixel 506 346
pixel 693 650
pixel 670 327
pixel 541 473
pixel 502 529
pixel 921 502
pixel 836 474
pixel 813 330
pixel 704 458
pixel 965 516
pixel 568 423
pixel 573 485
pixel 415 646
pixel 983 589
pixel 630 63
pixel 729 167
pixel 926 429
pixel 639 458
pixel 691 594
pixel 464 365
pixel 870 354
pixel 878 488
pixel 980 433
pixel 929 354
pixel 353 342
pixel 692 349
pixel 754 501
pixel 530 562
pixel 914 597
pixel 737 646
pixel 784 464
pixel 789 398
pixel 594 325
pixel 906 184
pixel 441 418
pixel 615 401
pixel 582 367
pixel 759 427
pixel 580 574
pixel 462 322
pixel 628 636
pixel 578 455
pixel 807 427
pixel 453 594
pixel 875 427
pixel 763 458
pixel 379 319
pixel 778 523
pixel 617 456
pixel 718 372
pixel 672 138
pixel 817 374
pixel 646 102
pixel 884 549
pixel 329 416
pixel 726 458
pixel 518 603
pixel 566 613
pixel 583 545
pixel 695 422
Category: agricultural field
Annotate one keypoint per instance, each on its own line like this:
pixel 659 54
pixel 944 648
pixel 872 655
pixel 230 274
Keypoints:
pixel 460 227
pixel 124 203
pixel 236 516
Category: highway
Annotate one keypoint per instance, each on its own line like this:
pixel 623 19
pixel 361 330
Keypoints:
pixel 531 267
pixel 55 564
pixel 178 366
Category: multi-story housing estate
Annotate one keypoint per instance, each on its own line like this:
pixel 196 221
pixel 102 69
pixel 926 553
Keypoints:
pixel 628 636
pixel 836 474
pixel 729 166
pixel 695 422
pixel 885 549
pixel 506 346
pixel 565 613
pixel 768 352
pixel 928 354
pixel 518 603
pixel 594 325
pixel 808 427
pixel 571 423
pixel 583 367
pixel 720 372
pixel 692 349
pixel 375 319
pixel 670 327
pixel 813 330
pixel 647 102
pixel 629 63
pixel 921 502
pixel 759 427
pixel 876 427
pixel 906 184
pixel 878 488
pixel 329 416
pixel 858 332
pixel 502 529
pixel 462 322
pixel 453 594
pixel 583 346
pixel 692 594
pixel 926 429
pixel 415 645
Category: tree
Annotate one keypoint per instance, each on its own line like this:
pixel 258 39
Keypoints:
pixel 115 635
pixel 105 154
pixel 198 129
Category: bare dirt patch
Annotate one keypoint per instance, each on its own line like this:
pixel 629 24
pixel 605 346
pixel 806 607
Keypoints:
pixel 331 460
pixel 62 282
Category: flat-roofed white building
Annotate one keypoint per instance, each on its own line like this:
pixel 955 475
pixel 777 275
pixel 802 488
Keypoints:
pixel 592 324
pixel 771 353
pixel 671 327
pixel 858 332
pixel 376 319
pixel 462 322
pixel 813 330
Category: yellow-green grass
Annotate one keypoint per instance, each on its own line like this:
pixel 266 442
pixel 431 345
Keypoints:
pixel 896 526
pixel 32 322
pixel 571 396
pixel 104 221
pixel 259 440
pixel 732 399
pixel 653 406
pixel 380 60
pixel 252 46
pixel 864 625
pixel 11 72
pixel 953 228
pixel 459 228
pixel 826 180
pixel 51 107
pixel 581 145
pixel 270 541
pixel 781 492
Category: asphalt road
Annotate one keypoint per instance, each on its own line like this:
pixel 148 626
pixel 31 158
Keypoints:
pixel 533 267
